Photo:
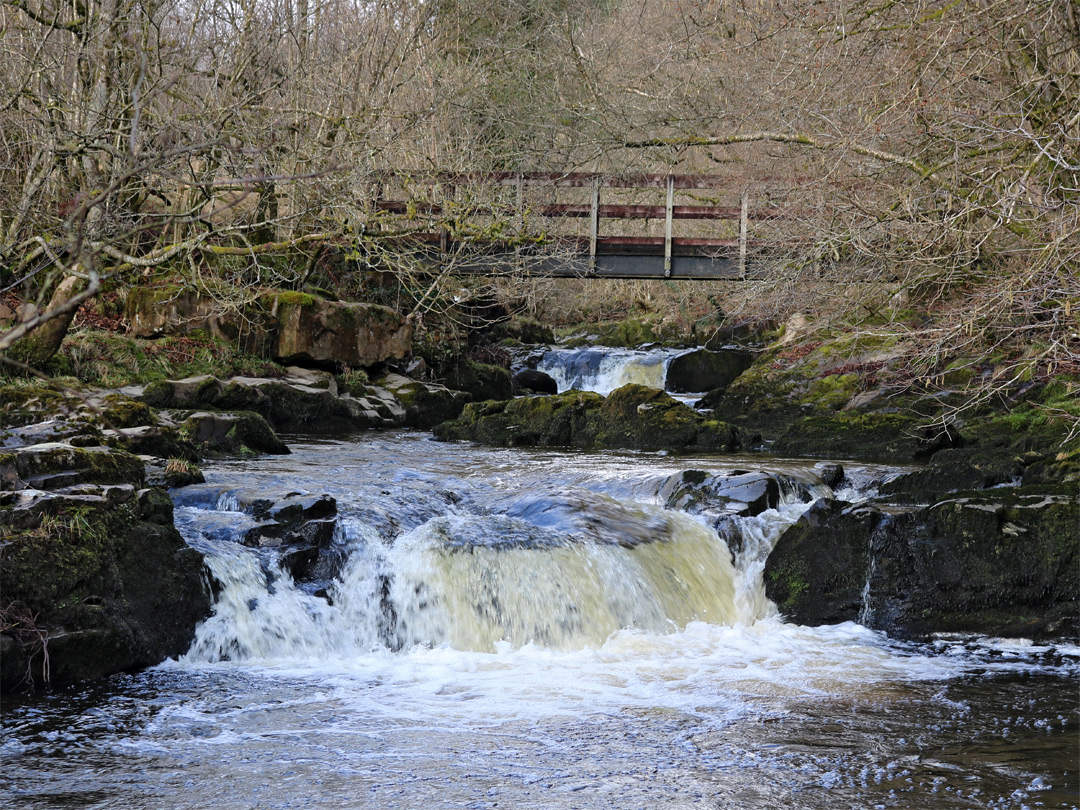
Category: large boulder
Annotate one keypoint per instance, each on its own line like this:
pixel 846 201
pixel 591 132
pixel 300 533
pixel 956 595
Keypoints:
pixel 482 381
pixel 331 334
pixel 96 579
pixel 287 326
pixel 533 381
pixel 425 404
pixel 704 370
pixel 1002 562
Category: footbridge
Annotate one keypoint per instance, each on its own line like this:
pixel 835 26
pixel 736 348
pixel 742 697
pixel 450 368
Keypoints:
pixel 584 225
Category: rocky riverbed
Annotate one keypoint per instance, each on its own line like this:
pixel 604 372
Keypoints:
pixel 981 536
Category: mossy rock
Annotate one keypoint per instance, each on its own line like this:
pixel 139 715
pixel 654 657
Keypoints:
pixel 896 437
pixel 236 433
pixel 39 463
pixel 120 411
pixel 633 416
pixel 114 585
pixel 26 404
pixel 482 381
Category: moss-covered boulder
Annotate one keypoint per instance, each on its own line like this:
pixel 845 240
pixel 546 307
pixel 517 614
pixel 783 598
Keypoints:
pixel 99 584
pixel 633 416
pixel 563 420
pixel 238 432
pixel 650 419
pixel 425 404
pixel 1004 562
pixel 55 464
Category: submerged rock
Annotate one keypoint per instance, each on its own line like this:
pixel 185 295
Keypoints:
pixel 999 563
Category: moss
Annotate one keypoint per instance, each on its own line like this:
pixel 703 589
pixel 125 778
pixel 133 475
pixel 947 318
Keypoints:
pixel 26 404
pixel 120 411
pixel 832 392
pixel 293 298
pixel 110 360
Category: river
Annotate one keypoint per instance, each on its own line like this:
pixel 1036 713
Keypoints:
pixel 532 629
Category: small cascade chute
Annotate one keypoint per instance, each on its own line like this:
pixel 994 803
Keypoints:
pixel 603 370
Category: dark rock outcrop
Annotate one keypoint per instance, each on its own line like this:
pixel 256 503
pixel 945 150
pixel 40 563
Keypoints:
pixel 1002 562
pixel 532 381
pixel 285 404
pixel 630 417
pixel 482 381
pixel 95 577
pixel 704 370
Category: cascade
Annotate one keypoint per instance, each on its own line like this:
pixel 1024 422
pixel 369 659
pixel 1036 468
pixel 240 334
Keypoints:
pixel 564 569
pixel 603 370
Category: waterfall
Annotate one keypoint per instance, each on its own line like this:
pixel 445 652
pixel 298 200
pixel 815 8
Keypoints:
pixel 481 581
pixel 603 370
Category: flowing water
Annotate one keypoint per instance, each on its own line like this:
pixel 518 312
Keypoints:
pixel 533 629
pixel 604 369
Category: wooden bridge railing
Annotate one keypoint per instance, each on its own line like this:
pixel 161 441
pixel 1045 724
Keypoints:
pixel 715 257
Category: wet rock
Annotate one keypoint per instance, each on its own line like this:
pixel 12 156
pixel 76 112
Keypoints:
pixel 532 381
pixel 704 370
pixel 106 579
pixel 232 433
pixel 424 404
pixel 831 473
pixel 632 416
pixel 999 563
pixel 957 469
pixel 697 492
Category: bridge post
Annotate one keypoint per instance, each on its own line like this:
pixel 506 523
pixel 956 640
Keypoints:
pixel 744 220
pixel 594 224
pixel 669 216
